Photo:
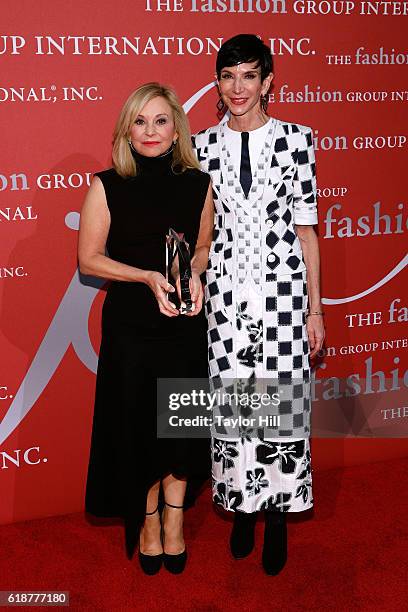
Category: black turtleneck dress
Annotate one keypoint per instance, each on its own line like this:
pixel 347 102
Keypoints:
pixel 140 344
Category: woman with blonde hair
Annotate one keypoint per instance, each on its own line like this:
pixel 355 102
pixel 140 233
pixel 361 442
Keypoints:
pixel 155 184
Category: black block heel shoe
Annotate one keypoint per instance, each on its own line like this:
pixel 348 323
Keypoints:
pixel 150 564
pixel 275 548
pixel 243 534
pixel 175 564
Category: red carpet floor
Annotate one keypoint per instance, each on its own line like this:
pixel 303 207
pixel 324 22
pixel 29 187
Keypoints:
pixel 350 555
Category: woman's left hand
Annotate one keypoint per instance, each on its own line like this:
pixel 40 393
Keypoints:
pixel 315 332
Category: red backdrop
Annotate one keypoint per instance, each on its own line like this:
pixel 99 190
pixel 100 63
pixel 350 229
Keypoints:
pixel 65 73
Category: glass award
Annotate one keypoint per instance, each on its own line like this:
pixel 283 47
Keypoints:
pixel 178 258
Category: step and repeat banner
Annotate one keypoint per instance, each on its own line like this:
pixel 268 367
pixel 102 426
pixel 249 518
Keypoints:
pixel 340 67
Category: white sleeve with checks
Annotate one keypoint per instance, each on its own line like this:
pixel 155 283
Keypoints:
pixel 305 197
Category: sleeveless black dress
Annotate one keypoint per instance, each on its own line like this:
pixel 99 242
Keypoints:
pixel 139 345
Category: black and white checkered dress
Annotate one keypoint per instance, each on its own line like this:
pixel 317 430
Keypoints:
pixel 256 300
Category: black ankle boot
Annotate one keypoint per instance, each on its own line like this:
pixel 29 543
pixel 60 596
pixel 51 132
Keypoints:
pixel 243 534
pixel 275 548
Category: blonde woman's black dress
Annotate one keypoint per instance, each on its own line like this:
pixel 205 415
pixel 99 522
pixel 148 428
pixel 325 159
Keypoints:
pixel 139 345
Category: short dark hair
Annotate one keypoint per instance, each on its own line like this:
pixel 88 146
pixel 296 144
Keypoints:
pixel 245 48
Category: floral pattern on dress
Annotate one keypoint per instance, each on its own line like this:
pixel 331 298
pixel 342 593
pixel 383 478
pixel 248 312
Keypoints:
pixel 255 332
pixel 224 452
pixel 255 481
pixel 305 489
pixel 305 467
pixel 248 356
pixel 230 500
pixel 241 315
pixel 278 502
pixel 253 353
pixel 285 453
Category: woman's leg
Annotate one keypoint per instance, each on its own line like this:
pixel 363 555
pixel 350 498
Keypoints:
pixel 150 541
pixel 174 491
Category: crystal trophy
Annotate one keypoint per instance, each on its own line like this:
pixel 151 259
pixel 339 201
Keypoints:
pixel 178 253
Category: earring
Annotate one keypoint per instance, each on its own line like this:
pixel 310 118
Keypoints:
pixel 221 108
pixel 220 104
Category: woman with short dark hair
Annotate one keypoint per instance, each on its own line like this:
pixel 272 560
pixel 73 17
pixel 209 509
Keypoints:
pixel 262 295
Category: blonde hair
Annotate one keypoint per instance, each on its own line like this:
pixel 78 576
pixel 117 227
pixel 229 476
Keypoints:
pixel 183 155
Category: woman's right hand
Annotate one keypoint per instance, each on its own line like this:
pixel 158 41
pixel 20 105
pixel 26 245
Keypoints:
pixel 160 287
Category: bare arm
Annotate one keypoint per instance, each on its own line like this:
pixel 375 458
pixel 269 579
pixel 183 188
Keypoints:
pixel 310 249
pixel 93 233
pixel 200 259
